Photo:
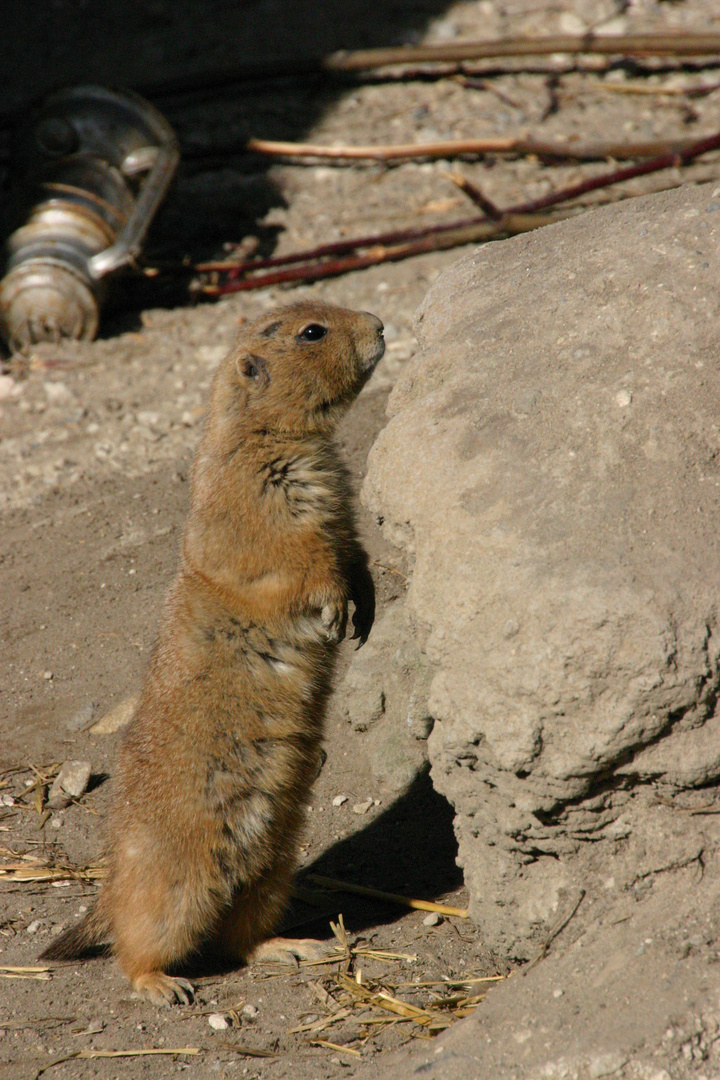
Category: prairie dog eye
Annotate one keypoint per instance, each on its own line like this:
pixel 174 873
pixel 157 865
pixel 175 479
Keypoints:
pixel 313 332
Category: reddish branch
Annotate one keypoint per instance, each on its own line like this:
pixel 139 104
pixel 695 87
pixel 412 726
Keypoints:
pixel 399 245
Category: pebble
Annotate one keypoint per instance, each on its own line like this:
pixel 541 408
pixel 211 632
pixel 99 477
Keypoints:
pixel 251 1011
pixel 70 783
pixel 7 800
pixel 191 417
pixel 82 718
pixel 433 919
pixel 623 398
pixel 56 823
pixel 606 1065
pixel 117 718
pixel 362 807
pixel 33 927
pixel 570 23
pixel 7 385
pixel 218 1022
pixel 57 393
pixel 339 800
pixel 47 675
pixel 211 354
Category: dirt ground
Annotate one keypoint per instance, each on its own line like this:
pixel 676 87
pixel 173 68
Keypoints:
pixel 96 445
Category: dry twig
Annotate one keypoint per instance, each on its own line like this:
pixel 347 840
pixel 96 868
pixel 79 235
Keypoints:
pixel 675 43
pixel 378 894
pixel 91 1054
pixel 557 929
pixel 450 148
pixel 10 972
pixel 40 872
pixel 335 1046
pixel 515 219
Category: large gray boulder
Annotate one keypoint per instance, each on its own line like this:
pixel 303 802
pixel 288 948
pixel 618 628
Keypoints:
pixel 552 461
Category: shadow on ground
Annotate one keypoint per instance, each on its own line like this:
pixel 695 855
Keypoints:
pixel 186 56
pixel 409 849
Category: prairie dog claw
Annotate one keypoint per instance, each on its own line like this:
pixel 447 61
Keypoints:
pixel 164 990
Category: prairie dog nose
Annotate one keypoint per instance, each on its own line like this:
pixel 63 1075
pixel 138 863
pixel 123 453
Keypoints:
pixel 377 323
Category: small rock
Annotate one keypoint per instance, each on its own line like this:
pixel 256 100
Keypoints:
pixel 148 417
pixel 362 807
pixel 191 417
pixel 82 718
pixel 57 393
pixel 33 927
pixel 47 675
pixel 433 919
pixel 569 23
pixel 623 398
pixel 211 354
pixel 218 1022
pixel 70 783
pixel 117 718
pixel 339 800
pixel 616 26
pixel 7 800
pixel 606 1065
pixel 250 1011
pixel 56 823
pixel 94 1028
pixel 7 385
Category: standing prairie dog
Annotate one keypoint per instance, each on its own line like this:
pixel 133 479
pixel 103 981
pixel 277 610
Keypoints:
pixel 214 772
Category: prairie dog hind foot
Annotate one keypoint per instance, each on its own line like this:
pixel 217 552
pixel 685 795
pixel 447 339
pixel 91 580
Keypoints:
pixel 289 951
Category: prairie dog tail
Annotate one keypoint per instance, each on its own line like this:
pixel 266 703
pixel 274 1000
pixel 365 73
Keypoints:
pixel 89 935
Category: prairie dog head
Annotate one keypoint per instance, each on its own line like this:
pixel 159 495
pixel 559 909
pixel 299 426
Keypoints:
pixel 298 368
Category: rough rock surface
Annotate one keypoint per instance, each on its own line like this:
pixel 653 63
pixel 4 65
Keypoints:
pixel 385 694
pixel 553 460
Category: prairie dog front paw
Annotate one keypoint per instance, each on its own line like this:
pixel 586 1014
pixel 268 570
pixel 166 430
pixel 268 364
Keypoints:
pixel 333 617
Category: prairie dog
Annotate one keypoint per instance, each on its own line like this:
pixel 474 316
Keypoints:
pixel 214 772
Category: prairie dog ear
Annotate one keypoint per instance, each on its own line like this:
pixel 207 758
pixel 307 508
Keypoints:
pixel 253 369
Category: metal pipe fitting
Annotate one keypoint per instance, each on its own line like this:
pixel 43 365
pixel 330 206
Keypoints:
pixel 90 167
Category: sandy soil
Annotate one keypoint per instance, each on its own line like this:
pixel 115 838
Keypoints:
pixel 96 444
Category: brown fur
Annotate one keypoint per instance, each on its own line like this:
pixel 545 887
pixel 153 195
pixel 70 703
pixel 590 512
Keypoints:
pixel 215 770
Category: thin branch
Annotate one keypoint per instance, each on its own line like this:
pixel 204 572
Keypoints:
pixel 520 218
pixel 364 890
pixel 448 148
pixel 474 193
pixel 557 929
pixel 670 44
pixel 481 230
pixel 669 160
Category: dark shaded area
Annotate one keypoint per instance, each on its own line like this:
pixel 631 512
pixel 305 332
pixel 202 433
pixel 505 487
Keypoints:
pixel 182 54
pixel 408 849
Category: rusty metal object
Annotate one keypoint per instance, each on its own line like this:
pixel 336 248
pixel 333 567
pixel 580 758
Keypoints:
pixel 90 167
